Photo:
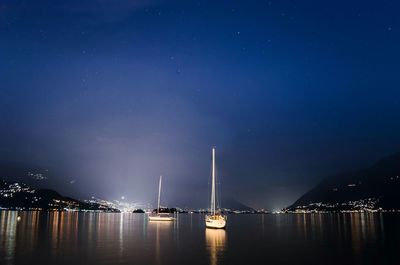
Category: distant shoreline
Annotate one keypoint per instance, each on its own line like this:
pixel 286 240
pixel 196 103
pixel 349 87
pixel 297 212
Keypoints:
pixel 203 213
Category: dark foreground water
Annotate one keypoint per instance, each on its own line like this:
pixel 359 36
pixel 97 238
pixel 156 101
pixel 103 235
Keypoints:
pixel 106 238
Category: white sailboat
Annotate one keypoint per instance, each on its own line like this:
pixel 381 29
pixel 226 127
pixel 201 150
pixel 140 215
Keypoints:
pixel 215 219
pixel 160 216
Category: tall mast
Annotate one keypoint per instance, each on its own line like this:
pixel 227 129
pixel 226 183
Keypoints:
pixel 159 193
pixel 213 183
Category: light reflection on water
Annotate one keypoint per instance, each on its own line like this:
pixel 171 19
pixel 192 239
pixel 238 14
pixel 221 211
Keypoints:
pixel 8 225
pixel 161 232
pixel 216 241
pixel 109 238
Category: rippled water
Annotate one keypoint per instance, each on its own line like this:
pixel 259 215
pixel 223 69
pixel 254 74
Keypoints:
pixel 108 238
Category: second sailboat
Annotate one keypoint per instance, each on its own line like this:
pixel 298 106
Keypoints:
pixel 160 216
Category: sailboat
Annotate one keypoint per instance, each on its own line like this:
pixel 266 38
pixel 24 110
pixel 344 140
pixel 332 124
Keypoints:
pixel 215 219
pixel 160 216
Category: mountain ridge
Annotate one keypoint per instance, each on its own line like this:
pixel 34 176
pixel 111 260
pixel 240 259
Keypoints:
pixel 20 196
pixel 375 187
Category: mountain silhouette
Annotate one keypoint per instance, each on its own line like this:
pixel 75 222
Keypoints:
pixel 379 183
pixel 18 195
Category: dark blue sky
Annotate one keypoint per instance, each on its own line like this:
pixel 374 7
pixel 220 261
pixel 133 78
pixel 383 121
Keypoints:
pixel 111 94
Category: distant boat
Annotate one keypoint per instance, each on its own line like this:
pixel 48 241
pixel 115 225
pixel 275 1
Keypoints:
pixel 215 219
pixel 160 216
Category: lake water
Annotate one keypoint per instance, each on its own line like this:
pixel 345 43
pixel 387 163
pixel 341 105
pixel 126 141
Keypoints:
pixel 108 238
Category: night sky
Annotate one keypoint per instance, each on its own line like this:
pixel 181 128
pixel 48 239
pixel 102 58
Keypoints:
pixel 111 94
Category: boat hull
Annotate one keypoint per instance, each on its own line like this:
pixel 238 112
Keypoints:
pixel 216 222
pixel 161 218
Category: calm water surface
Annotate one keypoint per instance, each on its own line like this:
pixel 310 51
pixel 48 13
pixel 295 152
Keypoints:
pixel 107 238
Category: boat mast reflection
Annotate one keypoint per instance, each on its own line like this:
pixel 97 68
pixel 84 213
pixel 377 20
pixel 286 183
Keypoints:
pixel 162 231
